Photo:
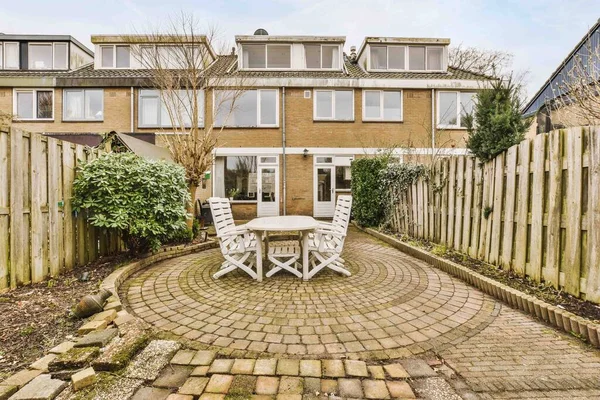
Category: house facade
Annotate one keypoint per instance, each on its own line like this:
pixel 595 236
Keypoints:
pixel 304 109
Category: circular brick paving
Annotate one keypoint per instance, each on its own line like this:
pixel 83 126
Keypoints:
pixel 392 306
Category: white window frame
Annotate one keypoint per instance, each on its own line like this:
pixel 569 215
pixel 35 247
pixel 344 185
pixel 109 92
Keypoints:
pixel 427 58
pixel 201 115
pixel 64 118
pixel 267 56
pixel 34 105
pixel 387 58
pixel 458 110
pixel 333 96
pixel 114 53
pixel 258 124
pixel 381 99
pixel 406 58
pixel 1 55
pixel 340 57
pixel 3 66
pixel 53 47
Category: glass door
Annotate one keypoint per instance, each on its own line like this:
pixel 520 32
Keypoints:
pixel 268 191
pixel 324 189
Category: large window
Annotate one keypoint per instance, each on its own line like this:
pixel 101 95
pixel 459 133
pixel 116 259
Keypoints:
pixel 11 56
pixel 412 58
pixel 235 177
pixel 176 106
pixel 250 108
pixel 388 57
pixel 452 107
pixel 34 104
pixel 382 105
pixel 336 105
pixel 47 56
pixel 83 104
pixel 343 179
pixel 273 56
pixel 115 56
pixel 319 56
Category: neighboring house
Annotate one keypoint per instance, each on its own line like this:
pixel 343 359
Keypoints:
pixel 549 113
pixel 307 110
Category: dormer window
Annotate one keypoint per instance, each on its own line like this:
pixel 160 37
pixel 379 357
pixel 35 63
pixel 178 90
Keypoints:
pixel 406 58
pixel 320 56
pixel 267 56
pixel 9 58
pixel 115 56
pixel 47 56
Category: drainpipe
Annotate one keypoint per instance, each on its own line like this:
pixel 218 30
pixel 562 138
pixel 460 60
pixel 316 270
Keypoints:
pixel 131 110
pixel 283 151
pixel 432 122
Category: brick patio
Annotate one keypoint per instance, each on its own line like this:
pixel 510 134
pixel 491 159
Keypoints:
pixel 393 307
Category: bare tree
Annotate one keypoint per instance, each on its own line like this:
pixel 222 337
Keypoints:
pixel 183 64
pixel 5 119
pixel 492 63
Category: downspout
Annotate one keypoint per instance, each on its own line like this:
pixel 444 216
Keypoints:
pixel 131 110
pixel 432 123
pixel 283 152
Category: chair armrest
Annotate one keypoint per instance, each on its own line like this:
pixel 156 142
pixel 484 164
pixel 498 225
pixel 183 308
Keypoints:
pixel 237 231
pixel 330 232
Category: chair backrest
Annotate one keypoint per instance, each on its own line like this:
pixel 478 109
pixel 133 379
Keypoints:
pixel 221 213
pixel 341 217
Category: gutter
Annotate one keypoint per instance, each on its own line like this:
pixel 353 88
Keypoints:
pixel 283 144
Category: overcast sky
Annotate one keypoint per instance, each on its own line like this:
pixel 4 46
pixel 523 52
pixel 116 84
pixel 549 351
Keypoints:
pixel 538 33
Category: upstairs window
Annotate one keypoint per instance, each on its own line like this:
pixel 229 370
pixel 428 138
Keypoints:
pixel 83 104
pixel 452 108
pixel 333 105
pixel 382 105
pixel 175 108
pixel 48 56
pixel 411 58
pixel 388 57
pixel 11 56
pixel 115 56
pixel 249 108
pixel 320 56
pixel 34 104
pixel 434 58
pixel 416 58
pixel 269 56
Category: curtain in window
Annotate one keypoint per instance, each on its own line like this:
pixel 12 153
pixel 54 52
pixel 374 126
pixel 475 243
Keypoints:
pixel 74 104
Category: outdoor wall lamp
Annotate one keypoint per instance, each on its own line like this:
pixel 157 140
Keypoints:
pixel 305 153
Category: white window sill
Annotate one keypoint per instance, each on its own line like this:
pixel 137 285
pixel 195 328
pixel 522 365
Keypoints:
pixel 82 120
pixel 332 120
pixel 381 120
pixel 243 201
pixel 247 127
pixel 453 127
pixel 34 120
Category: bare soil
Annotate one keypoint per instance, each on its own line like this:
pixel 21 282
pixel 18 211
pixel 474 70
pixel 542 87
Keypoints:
pixel 542 291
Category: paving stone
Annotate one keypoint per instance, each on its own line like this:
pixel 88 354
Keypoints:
pixel 62 348
pixel 179 396
pixel 201 370
pixel 291 385
pixel 97 339
pixel 151 393
pixel 375 389
pixel 203 357
pixel 288 367
pixel 329 386
pixel 41 388
pixel 172 376
pixel 76 358
pixel 312 386
pixel 434 389
pixel 123 319
pixel 194 386
pixel 91 327
pixel 243 367
pixel 265 366
pixel 333 368
pixel 212 396
pixel 183 357
pixel 267 385
pixel 115 388
pixel 220 366
pixel 22 377
pixel 310 368
pixel 148 364
pixel 113 305
pixel 376 371
pixel 42 363
pixel 356 368
pixel 121 350
pixel 7 391
pixel 400 389
pixel 396 371
pixel 83 378
pixel 219 383
pixel 65 374
pixel 289 397
pixel 108 316
pixel 350 388
pixel 417 368
pixel 242 386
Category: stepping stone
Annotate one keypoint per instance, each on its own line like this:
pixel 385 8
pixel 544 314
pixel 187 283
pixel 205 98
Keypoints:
pixel 242 386
pixel 417 368
pixel 376 371
pixel 148 364
pixel 119 388
pixel 219 383
pixel 65 375
pixel 62 348
pixel 333 368
pixel 201 370
pixel 400 389
pixel 213 396
pixel 312 386
pixel 108 316
pixel 7 391
pixel 310 368
pixel 194 386
pixel 97 339
pixel 375 389
pixel 113 305
pixel 151 393
pixel 288 367
pixel 203 357
pixel 123 319
pixel 41 388
pixel 173 376
pixel 183 357
pixel 350 388
pixel 356 368
pixel 76 358
pixel 265 366
pixel 120 350
pixel 177 396
pixel 329 386
pixel 267 385
pixel 91 327
pixel 22 378
pixel 42 363
pixel 242 367
pixel 220 366
pixel 434 388
pixel 83 378
pixel 291 385
pixel 396 371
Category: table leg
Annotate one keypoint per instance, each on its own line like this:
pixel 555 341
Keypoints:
pixel 266 244
pixel 259 256
pixel 305 255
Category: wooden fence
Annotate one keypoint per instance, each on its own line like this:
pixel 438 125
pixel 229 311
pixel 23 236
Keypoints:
pixel 40 235
pixel 535 209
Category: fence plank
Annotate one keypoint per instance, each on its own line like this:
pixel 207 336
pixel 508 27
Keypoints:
pixel 572 265
pixel 80 219
pixel 444 200
pixel 37 225
pixel 522 208
pixel 551 272
pixel 485 202
pixel 68 220
pixel 477 209
pixel 420 209
pixel 509 207
pixel 4 204
pixel 468 204
pixel 593 281
pixel 496 228
pixel 460 182
pixel 55 236
pixel 534 268
pixel 425 190
pixel 451 200
pixel 17 245
pixel 415 211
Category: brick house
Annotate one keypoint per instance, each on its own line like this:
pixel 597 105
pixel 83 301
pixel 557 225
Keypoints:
pixel 308 109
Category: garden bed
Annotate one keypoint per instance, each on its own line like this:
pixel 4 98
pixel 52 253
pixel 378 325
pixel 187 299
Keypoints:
pixel 542 291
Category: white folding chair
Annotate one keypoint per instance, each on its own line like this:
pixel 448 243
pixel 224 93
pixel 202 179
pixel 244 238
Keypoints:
pixel 284 255
pixel 326 245
pixel 238 245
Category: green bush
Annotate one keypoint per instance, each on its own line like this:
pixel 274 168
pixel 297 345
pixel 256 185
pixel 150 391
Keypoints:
pixel 496 122
pixel 145 200
pixel 367 192
pixel 184 235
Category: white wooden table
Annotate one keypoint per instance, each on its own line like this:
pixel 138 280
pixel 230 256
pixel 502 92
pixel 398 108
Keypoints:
pixel 300 223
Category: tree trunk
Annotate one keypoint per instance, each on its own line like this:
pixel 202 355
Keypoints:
pixel 191 205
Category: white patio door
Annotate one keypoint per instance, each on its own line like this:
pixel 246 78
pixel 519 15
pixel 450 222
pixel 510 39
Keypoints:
pixel 268 191
pixel 324 188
